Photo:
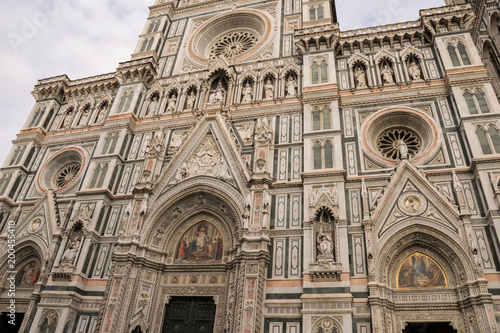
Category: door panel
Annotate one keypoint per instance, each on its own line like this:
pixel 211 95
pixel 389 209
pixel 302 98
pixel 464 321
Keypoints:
pixel 189 315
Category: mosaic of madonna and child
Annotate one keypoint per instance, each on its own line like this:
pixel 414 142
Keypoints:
pixel 420 271
pixel 202 243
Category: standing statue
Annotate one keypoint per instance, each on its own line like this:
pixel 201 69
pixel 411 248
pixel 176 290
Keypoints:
pixel 324 244
pixel 102 114
pixel 269 90
pixel 69 255
pixel 67 119
pixel 153 105
pixel 291 86
pixel 360 76
pixel 247 94
pixel 387 74
pixel 217 95
pixel 171 103
pixel 414 71
pixel 83 118
pixel 403 149
pixel 190 100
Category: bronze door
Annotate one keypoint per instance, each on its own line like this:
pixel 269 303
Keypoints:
pixel 189 315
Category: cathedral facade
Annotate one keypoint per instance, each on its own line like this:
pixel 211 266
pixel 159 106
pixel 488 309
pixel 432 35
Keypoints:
pixel 254 168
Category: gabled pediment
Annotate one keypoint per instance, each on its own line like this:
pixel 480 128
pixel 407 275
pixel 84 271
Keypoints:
pixel 40 223
pixel 208 151
pixel 410 196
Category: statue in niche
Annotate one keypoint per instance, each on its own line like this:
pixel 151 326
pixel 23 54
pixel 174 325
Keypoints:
pixel 69 256
pixel 67 119
pixel 387 74
pixel 403 149
pixel 83 118
pixel 153 105
pixel 324 244
pixel 217 94
pixel 247 93
pixel 102 113
pixel 359 75
pixel 414 71
pixel 190 100
pixel 172 101
pixel 269 89
pixel 291 86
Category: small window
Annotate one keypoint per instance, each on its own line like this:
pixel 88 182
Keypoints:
pixel 324 72
pixel 481 101
pixel 476 102
pixel 323 155
pixel 314 73
pixel 319 72
pixel 321 118
pixel 470 102
pixel 453 55
pixel 320 12
pixel 312 14
pixel 483 140
pixel 317 156
pixel 458 55
pixel 495 138
pixel 328 148
pixel 316 120
pixel 463 54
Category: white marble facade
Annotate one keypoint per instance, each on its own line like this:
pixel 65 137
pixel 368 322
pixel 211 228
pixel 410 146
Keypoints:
pixel 294 176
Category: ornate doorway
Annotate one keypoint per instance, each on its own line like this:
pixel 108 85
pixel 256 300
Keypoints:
pixel 189 315
pixel 429 328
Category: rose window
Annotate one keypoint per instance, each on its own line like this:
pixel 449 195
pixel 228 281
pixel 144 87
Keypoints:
pixel 66 175
pixel 233 44
pixel 388 143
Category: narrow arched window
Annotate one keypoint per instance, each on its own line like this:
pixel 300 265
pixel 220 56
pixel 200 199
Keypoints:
pixel 324 72
pixel 326 118
pixel 16 186
pixel 314 73
pixel 495 138
pixel 43 327
pixel 317 155
pixel 328 149
pixel 144 45
pixel 483 140
pixel 95 176
pixel 102 176
pixel 471 105
pixel 48 119
pixel 312 14
pixel 481 102
pixel 316 119
pixel 453 55
pixel 320 12
pixel 463 54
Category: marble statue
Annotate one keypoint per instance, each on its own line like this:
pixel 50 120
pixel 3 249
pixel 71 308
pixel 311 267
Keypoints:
pixel 359 74
pixel 291 86
pixel 269 90
pixel 171 103
pixel 387 74
pixel 247 94
pixel 190 100
pixel 414 71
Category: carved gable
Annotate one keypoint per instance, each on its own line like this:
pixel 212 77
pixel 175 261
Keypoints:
pixel 411 196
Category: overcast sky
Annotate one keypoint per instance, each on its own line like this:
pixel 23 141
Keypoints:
pixel 80 38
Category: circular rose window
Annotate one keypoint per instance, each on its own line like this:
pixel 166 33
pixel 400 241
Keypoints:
pixel 388 141
pixel 240 34
pixel 387 133
pixel 62 170
pixel 233 44
pixel 66 174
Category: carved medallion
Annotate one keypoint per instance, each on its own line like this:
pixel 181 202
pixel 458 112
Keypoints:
pixel 412 203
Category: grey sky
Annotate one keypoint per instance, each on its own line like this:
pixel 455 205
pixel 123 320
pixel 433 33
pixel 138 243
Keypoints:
pixel 80 38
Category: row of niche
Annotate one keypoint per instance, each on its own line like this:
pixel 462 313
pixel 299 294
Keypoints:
pixel 387 74
pixel 248 90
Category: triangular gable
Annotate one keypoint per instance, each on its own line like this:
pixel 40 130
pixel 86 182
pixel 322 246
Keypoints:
pixel 41 222
pixel 410 195
pixel 208 151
